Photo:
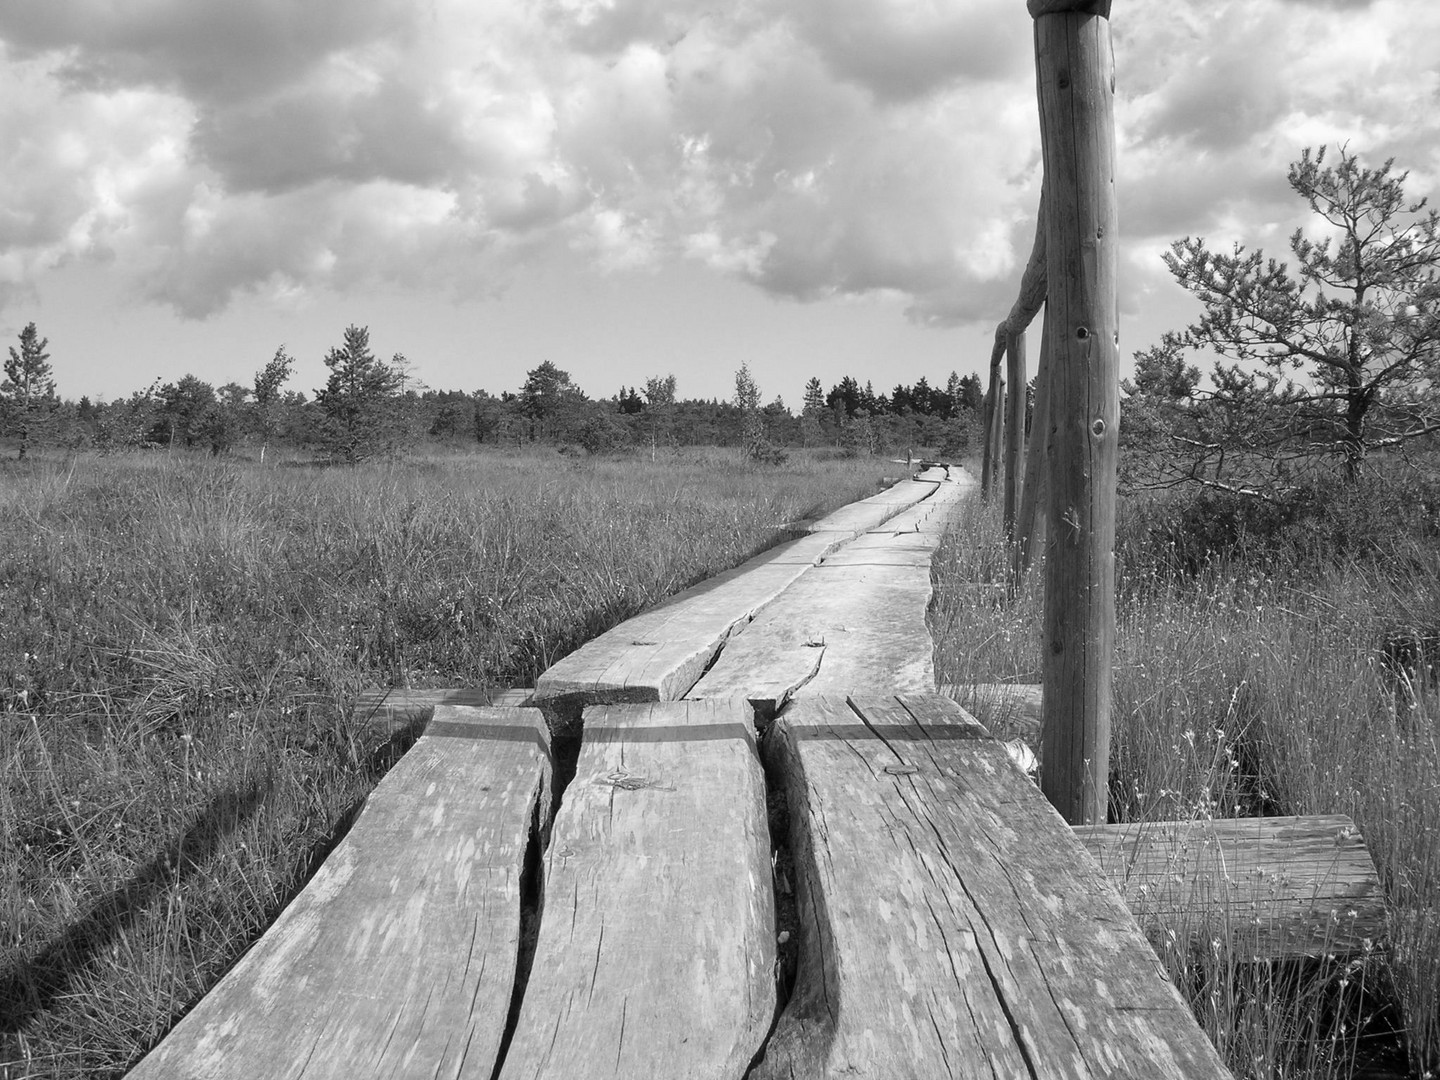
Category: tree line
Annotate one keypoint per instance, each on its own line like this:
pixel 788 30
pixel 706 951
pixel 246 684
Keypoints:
pixel 372 407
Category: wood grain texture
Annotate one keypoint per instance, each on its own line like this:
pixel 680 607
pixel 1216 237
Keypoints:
pixel 659 654
pixel 657 946
pixel 398 958
pixel 1075 73
pixel 854 623
pixel 1275 887
pixel 389 712
pixel 951 924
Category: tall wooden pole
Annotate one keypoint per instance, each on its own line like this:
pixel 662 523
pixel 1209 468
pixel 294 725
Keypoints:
pixel 1014 425
pixel 1010 340
pixel 1030 519
pixel 1076 76
pixel 994 419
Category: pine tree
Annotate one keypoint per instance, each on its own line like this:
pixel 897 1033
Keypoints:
pixel 357 400
pixel 27 395
pixel 1358 318
pixel 814 399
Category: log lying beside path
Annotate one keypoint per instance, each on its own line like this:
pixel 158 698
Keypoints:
pixel 1276 888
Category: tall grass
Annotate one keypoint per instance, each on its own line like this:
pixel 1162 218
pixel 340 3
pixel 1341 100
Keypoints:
pixel 180 643
pixel 1247 688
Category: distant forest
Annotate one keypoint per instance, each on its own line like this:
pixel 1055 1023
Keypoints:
pixel 372 407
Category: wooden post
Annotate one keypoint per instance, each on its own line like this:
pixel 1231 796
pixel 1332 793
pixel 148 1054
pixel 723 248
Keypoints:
pixel 1010 339
pixel 994 419
pixel 1075 74
pixel 1030 519
pixel 1014 424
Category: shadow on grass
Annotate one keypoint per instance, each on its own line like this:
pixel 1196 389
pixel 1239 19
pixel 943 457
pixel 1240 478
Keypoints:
pixel 33 986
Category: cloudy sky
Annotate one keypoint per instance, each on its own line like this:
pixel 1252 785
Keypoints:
pixel 631 187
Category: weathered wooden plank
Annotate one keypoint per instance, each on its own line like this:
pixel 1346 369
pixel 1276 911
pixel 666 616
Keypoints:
pixel 398 958
pixel 657 948
pixel 389 712
pixel 856 623
pixel 911 537
pixel 659 654
pixel 858 628
pixel 1275 887
pixel 858 517
pixel 951 923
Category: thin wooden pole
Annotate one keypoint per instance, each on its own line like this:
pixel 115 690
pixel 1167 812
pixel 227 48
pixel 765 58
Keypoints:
pixel 1010 337
pixel 1075 73
pixel 1014 425
pixel 1032 492
pixel 994 419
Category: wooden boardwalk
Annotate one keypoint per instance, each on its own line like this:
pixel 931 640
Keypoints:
pixel 479 922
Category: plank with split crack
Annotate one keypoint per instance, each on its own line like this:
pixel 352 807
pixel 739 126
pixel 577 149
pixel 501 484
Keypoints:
pixel 656 952
pixel 859 628
pixel 951 923
pixel 854 624
pixel 659 654
pixel 859 517
pixel 398 958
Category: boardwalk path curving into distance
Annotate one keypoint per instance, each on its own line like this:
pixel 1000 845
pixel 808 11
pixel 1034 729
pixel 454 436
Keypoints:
pixel 588 886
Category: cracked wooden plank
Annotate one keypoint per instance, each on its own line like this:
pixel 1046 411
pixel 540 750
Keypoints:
pixel 398 958
pixel 659 654
pixel 656 952
pixel 854 624
pixel 951 923
pixel 867 514
pixel 859 628
pixel 1274 887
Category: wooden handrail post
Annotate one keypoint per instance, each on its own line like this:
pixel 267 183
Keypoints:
pixel 994 418
pixel 1014 424
pixel 1075 75
pixel 1010 339
pixel 1032 491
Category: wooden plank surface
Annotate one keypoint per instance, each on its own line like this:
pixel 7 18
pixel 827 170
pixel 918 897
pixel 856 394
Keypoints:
pixel 398 958
pixel 855 628
pixel 951 923
pixel 854 624
pixel 656 953
pixel 859 517
pixel 659 654
pixel 1276 887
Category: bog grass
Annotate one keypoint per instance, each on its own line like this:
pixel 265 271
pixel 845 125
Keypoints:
pixel 180 643
pixel 1247 687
